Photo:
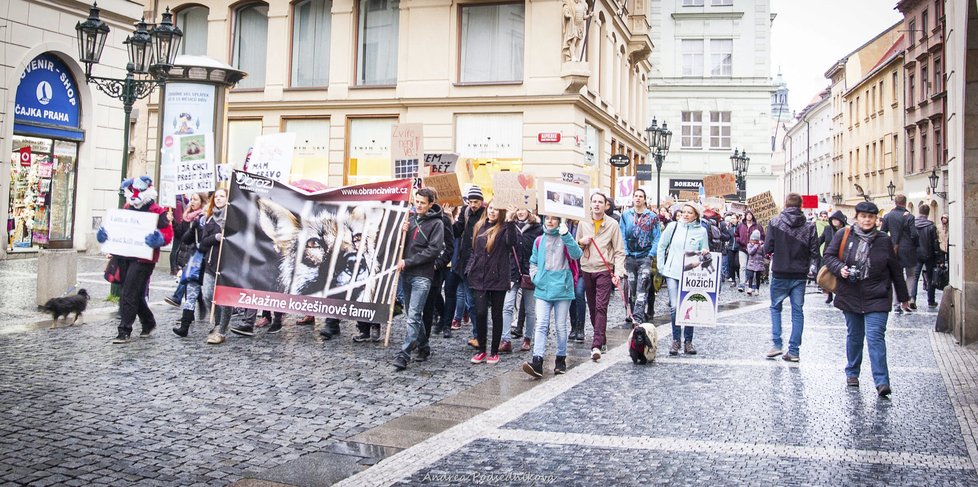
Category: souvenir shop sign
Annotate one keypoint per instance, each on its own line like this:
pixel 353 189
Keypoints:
pixel 127 231
pixel 47 102
pixel 514 189
pixel 699 287
pixel 330 253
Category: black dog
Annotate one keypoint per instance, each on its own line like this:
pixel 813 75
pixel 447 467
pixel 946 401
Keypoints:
pixel 643 344
pixel 66 305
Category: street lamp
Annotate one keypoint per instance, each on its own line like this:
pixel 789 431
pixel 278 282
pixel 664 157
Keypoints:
pixel 151 53
pixel 740 162
pixel 891 189
pixel 933 179
pixel 659 140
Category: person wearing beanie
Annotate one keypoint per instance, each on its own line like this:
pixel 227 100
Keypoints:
pixel 755 262
pixel 463 230
pixel 868 271
pixel 792 242
pixel 684 234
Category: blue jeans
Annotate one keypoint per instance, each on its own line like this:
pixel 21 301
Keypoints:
pixel 451 300
pixel 527 303
pixel 928 271
pixel 415 294
pixel 872 326
pixel 677 331
pixel 559 310
pixel 794 290
pixel 469 305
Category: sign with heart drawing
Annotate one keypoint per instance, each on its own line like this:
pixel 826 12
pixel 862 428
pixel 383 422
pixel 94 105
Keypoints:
pixel 514 188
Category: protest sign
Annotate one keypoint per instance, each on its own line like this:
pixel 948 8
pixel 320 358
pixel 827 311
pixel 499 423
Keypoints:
pixel 738 207
pixel 127 231
pixel 698 289
pixel 195 164
pixel 441 163
pixel 271 156
pixel 688 196
pixel 566 200
pixel 406 149
pixel 763 207
pixel 446 185
pixel 624 190
pixel 809 201
pixel 514 189
pixel 720 184
pixel 330 253
pixel 717 204
pixel 569 177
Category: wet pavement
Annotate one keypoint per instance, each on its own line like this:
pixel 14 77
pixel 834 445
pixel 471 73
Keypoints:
pixel 293 409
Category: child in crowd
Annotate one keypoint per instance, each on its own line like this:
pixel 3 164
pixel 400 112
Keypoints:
pixel 755 262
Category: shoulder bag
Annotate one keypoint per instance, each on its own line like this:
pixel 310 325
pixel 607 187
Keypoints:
pixel 826 279
pixel 526 282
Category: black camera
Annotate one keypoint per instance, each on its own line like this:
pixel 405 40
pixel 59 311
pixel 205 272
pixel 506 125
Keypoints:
pixel 855 273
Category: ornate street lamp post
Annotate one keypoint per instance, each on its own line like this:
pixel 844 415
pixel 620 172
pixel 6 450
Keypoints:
pixel 891 190
pixel 739 162
pixel 151 54
pixel 659 140
pixel 933 179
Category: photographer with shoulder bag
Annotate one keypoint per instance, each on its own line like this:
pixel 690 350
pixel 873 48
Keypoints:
pixel 868 272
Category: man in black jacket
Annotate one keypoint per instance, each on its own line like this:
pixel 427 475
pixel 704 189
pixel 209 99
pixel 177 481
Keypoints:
pixel 423 246
pixel 927 252
pixel 792 241
pixel 434 295
pixel 463 229
pixel 899 223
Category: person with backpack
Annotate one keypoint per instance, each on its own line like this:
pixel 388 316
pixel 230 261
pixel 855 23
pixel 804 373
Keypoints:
pixel 463 229
pixel 900 225
pixel 683 235
pixel 554 272
pixel 745 228
pixel 443 267
pixel 928 252
pixel 640 231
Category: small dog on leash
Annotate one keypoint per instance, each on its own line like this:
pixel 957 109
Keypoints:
pixel 66 305
pixel 643 343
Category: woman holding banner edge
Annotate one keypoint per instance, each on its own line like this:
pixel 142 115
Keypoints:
pixel 681 236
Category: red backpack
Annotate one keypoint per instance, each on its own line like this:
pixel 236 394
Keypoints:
pixel 573 264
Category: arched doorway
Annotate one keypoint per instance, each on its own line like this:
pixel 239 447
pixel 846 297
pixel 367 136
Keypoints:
pixel 44 157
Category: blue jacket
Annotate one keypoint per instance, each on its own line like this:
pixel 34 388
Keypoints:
pixel 680 238
pixel 640 231
pixel 549 268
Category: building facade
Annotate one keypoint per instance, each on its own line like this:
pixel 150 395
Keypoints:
pixel 925 96
pixel 808 150
pixel 545 86
pixel 712 84
pixel 62 137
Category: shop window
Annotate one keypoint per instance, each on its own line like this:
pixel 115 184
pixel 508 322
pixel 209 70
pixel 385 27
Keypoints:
pixel 193 22
pixel 492 43
pixel 491 142
pixel 311 157
pixel 241 138
pixel 249 43
pixel 369 150
pixel 377 27
pixel 42 193
pixel 311 27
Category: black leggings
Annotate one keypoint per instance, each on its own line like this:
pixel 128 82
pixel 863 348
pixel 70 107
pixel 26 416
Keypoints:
pixel 483 300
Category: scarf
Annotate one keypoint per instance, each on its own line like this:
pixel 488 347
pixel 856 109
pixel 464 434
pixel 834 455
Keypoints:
pixel 866 239
pixel 189 216
pixel 219 215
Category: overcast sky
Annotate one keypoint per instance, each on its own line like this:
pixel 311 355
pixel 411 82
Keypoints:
pixel 807 37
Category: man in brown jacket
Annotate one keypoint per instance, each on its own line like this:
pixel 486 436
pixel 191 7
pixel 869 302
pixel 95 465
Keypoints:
pixel 602 266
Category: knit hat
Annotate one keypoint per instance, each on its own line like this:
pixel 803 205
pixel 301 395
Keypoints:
pixel 755 235
pixel 475 193
pixel 867 207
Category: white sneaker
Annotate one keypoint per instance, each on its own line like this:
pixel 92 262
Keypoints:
pixel 595 354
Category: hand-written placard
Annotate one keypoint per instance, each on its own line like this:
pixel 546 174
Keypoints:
pixel 566 200
pixel 688 196
pixel 271 156
pixel 717 204
pixel 738 207
pixel 405 150
pixel 514 189
pixel 447 187
pixel 720 184
pixel 441 163
pixel 195 163
pixel 127 231
pixel 763 207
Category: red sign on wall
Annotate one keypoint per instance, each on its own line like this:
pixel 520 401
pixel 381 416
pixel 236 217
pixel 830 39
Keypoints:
pixel 25 155
pixel 548 137
pixel 809 201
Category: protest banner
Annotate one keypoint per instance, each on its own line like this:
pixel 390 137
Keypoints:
pixel 763 207
pixel 566 200
pixel 271 156
pixel 441 163
pixel 127 231
pixel 720 184
pixel 699 287
pixel 624 190
pixel 514 189
pixel 330 253
pixel 406 149
pixel 446 185
pixel 569 177
pixel 688 196
pixel 195 164
pixel 738 207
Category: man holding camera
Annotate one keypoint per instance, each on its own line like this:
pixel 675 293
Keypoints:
pixel 793 245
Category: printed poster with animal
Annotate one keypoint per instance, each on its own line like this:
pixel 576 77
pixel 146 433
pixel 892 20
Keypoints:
pixel 330 253
pixel 699 287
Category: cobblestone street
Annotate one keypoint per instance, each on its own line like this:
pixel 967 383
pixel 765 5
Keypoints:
pixel 292 409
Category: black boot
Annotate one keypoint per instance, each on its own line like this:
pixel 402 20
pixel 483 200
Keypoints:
pixel 560 365
pixel 185 321
pixel 534 368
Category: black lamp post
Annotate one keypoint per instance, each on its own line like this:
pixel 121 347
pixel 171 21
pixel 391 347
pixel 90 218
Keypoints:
pixel 891 189
pixel 739 162
pixel 151 55
pixel 934 179
pixel 659 140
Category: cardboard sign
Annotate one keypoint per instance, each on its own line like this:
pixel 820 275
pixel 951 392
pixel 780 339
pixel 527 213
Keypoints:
pixel 738 207
pixel 127 231
pixel 271 156
pixel 717 204
pixel 763 207
pixel 698 289
pixel 624 190
pixel 514 189
pixel 406 150
pixel 566 200
pixel 720 184
pixel 441 163
pixel 569 177
pixel 447 187
pixel 688 196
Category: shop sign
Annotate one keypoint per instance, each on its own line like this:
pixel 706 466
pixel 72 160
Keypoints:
pixel 548 137
pixel 47 94
pixel 677 185
pixel 25 156
pixel 643 172
pixel 619 160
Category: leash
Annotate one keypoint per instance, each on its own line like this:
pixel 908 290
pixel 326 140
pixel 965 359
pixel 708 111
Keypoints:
pixel 621 288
